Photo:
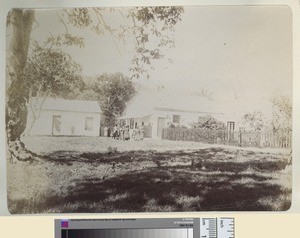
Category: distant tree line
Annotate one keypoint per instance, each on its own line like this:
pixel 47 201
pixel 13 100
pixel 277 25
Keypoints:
pixel 282 113
pixel 281 120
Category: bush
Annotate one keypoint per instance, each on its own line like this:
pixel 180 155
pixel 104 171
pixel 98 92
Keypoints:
pixel 209 122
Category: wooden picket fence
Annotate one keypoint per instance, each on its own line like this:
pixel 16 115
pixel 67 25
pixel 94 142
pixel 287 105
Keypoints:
pixel 280 139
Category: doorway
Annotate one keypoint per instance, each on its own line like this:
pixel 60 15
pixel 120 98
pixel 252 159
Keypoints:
pixel 56 125
pixel 162 123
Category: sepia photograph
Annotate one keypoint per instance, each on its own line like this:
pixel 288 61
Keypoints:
pixel 149 109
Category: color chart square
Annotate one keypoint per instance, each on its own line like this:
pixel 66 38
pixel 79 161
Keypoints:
pixel 64 224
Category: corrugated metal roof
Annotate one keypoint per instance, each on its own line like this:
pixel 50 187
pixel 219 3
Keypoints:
pixel 59 104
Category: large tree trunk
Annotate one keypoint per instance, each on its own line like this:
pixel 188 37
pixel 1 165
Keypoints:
pixel 17 93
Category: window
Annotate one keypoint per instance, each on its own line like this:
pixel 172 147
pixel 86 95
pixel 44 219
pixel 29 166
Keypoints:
pixel 176 118
pixel 89 123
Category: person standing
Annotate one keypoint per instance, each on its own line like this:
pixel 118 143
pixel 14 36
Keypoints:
pixel 126 133
pixel 115 131
pixel 108 132
pixel 122 129
pixel 142 132
pixel 105 131
pixel 136 133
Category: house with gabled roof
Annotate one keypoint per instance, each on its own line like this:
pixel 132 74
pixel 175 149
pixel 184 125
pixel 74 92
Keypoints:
pixel 158 113
pixel 61 117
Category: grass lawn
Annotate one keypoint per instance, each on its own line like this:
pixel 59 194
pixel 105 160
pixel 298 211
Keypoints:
pixel 85 175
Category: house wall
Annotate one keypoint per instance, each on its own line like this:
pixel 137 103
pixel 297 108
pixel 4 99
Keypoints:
pixel 72 123
pixel 186 118
pixel 165 118
pixel 146 120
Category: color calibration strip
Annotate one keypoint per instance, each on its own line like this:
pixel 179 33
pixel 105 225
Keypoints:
pixel 217 227
pixel 128 233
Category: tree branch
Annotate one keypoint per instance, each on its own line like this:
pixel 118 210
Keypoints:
pixel 37 24
pixel 63 22
pixel 101 19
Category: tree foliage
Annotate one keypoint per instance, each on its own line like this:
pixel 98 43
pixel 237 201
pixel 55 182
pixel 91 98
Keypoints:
pixel 254 121
pixel 113 92
pixel 146 29
pixel 151 29
pixel 209 122
pixel 49 72
pixel 282 112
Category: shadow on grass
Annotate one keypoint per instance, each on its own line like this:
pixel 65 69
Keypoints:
pixel 167 191
pixel 212 158
pixel 222 186
pixel 70 157
pixel 268 166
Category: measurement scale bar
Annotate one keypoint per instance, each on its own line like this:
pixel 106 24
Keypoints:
pixel 222 227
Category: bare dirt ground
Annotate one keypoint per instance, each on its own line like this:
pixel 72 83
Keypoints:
pixel 80 174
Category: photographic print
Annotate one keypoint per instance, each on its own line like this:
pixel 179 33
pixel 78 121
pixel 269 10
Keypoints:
pixel 149 109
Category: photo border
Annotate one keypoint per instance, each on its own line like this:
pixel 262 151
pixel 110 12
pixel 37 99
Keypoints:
pixel 294 6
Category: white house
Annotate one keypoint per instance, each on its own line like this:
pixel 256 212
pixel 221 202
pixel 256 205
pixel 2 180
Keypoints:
pixel 60 117
pixel 159 113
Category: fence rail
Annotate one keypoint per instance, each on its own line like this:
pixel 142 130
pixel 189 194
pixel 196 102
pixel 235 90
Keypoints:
pixel 280 139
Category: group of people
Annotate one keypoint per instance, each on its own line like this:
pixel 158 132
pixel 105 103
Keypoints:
pixel 125 133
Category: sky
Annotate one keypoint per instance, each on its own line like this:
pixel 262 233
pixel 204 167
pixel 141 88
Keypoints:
pixel 240 55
